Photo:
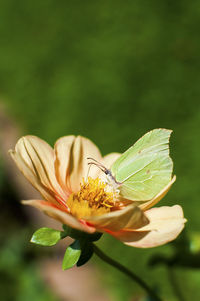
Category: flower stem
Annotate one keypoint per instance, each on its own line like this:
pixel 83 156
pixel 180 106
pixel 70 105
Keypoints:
pixel 174 284
pixel 127 272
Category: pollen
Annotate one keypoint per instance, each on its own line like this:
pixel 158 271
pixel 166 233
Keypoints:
pixel 94 198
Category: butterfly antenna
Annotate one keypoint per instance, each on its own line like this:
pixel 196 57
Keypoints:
pixel 98 164
pixel 88 171
pixel 89 158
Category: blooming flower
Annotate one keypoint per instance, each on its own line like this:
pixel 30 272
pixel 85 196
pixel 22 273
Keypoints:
pixel 81 198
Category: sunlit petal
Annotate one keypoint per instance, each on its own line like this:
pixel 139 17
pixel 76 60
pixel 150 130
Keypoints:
pixel 83 148
pixel 35 158
pixel 129 217
pixel 63 152
pixel 61 216
pixel 165 225
pixel 27 168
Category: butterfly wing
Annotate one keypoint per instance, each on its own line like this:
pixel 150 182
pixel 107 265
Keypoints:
pixel 146 167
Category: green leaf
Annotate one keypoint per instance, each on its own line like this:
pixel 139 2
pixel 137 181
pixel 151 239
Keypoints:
pixel 72 255
pixel 86 253
pixel 46 237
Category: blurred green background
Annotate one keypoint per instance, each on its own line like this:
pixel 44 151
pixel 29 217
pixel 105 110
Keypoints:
pixel 110 71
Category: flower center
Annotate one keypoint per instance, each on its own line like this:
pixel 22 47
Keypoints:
pixel 93 198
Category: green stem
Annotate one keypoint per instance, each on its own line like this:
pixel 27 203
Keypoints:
pixel 174 284
pixel 126 271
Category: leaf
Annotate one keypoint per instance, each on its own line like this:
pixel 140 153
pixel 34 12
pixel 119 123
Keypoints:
pixel 46 237
pixel 86 253
pixel 72 255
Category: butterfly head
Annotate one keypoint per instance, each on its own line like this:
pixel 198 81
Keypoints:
pixel 109 176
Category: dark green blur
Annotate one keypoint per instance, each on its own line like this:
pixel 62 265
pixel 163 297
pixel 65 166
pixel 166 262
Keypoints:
pixel 111 71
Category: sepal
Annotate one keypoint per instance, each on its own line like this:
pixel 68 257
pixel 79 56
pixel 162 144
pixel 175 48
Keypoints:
pixel 86 253
pixel 76 234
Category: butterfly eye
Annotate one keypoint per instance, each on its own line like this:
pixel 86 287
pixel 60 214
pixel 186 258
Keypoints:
pixel 108 173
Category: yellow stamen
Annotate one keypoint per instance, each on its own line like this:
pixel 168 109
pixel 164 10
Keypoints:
pixel 92 199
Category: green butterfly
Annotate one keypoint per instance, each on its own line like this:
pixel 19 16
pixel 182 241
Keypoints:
pixel 142 171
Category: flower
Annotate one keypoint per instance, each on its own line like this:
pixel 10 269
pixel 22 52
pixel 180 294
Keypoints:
pixel 81 198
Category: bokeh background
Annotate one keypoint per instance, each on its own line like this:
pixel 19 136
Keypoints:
pixel 110 71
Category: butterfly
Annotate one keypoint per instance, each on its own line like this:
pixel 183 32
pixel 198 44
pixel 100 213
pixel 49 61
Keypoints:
pixel 142 171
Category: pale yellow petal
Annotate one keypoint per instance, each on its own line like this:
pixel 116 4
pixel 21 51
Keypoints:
pixel 165 225
pixel 110 159
pixel 128 218
pixel 158 197
pixel 63 151
pixel 61 216
pixel 159 217
pixel 83 148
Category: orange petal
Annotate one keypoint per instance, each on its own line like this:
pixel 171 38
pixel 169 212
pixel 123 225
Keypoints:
pixel 158 197
pixel 165 225
pixel 35 159
pixel 129 217
pixel 63 148
pixel 82 149
pixel 28 171
pixel 60 215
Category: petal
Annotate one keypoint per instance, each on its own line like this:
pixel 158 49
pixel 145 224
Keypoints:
pixel 35 159
pixel 158 197
pixel 59 215
pixel 165 225
pixel 63 148
pixel 110 159
pixel 127 218
pixel 82 149
pixel 41 156
pixel 28 171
